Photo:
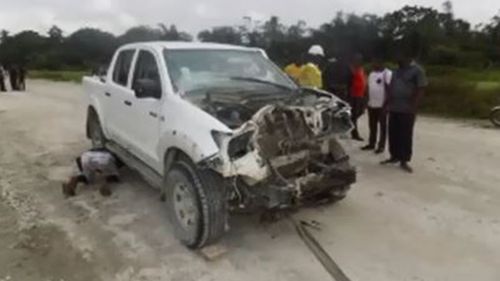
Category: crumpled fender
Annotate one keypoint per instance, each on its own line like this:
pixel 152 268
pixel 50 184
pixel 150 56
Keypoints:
pixel 192 136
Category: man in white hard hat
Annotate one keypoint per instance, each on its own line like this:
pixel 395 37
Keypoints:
pixel 316 50
pixel 310 74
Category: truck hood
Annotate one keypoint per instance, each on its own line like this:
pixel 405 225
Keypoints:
pixel 234 107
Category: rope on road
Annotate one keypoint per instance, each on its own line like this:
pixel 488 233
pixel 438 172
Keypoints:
pixel 324 258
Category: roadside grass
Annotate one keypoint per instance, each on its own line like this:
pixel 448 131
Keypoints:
pixel 464 93
pixel 56 75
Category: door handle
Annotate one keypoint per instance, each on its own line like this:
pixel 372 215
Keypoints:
pixel 153 114
pixel 128 103
pixel 107 94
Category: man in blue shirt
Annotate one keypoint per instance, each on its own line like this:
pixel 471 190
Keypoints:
pixel 407 86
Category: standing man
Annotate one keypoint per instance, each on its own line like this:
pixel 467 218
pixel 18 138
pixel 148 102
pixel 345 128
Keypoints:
pixel 357 94
pixel 2 79
pixel 13 78
pixel 22 78
pixel 407 86
pixel 337 77
pixel 378 84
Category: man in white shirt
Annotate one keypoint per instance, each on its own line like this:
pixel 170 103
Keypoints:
pixel 94 165
pixel 378 83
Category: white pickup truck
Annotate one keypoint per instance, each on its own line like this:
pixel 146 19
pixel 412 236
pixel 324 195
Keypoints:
pixel 218 128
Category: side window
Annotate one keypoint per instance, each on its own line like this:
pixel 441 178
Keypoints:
pixel 122 67
pixel 146 75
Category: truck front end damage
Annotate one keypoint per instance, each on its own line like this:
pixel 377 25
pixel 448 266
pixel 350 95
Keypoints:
pixel 287 154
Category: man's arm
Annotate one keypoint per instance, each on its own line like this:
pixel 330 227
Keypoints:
pixel 422 83
pixel 387 87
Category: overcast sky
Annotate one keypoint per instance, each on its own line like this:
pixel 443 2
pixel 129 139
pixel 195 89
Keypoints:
pixel 195 15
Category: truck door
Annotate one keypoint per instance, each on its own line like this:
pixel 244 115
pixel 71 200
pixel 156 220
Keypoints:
pixel 118 96
pixel 145 116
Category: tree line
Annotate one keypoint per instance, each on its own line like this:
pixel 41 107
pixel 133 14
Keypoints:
pixel 434 36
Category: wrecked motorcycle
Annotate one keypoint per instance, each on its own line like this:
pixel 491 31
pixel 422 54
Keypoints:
pixel 495 116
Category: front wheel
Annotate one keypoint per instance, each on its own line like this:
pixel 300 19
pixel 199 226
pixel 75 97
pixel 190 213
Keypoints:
pixel 495 117
pixel 196 203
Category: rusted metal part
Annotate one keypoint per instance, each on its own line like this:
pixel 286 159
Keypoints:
pixel 319 252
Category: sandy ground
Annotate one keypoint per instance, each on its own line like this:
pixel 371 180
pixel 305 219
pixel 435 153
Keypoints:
pixel 441 223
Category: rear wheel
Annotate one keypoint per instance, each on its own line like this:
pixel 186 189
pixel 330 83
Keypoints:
pixel 495 117
pixel 96 134
pixel 196 204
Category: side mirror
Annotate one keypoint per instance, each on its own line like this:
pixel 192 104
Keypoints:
pixel 147 88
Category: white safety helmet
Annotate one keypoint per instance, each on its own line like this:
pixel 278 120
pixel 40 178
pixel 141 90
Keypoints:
pixel 316 50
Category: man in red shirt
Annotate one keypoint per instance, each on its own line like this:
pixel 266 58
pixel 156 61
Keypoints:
pixel 357 94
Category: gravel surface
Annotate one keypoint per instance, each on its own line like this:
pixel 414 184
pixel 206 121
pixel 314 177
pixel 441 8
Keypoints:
pixel 441 223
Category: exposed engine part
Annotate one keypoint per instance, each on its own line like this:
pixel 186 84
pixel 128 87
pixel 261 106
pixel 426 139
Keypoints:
pixel 286 154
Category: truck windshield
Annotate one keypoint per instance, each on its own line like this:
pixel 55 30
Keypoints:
pixel 193 70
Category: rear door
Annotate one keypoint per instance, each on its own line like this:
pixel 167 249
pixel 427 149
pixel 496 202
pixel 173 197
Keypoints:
pixel 144 129
pixel 119 96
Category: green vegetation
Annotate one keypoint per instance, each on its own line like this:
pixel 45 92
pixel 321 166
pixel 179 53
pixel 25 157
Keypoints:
pixel 54 75
pixel 462 92
pixel 463 61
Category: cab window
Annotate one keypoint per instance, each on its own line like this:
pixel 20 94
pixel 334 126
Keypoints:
pixel 146 73
pixel 122 67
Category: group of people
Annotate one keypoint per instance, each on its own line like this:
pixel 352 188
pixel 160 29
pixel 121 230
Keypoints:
pixel 391 96
pixel 17 78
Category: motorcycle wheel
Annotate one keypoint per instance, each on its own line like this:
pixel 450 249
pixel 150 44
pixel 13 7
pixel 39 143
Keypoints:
pixel 495 117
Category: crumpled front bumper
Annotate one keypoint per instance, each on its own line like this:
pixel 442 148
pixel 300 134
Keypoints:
pixel 303 190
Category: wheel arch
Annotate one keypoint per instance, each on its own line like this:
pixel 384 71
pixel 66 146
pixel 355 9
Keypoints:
pixel 95 109
pixel 91 113
pixel 173 154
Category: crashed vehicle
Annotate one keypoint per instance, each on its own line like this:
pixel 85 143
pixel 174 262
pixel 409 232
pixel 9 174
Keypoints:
pixel 218 128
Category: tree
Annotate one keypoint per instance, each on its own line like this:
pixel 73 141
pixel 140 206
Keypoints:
pixel 4 35
pixel 172 34
pixel 140 33
pixel 89 47
pixel 223 34
pixel 55 34
pixel 448 7
pixel 22 48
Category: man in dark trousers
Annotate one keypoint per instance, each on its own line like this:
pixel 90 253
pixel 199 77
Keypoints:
pixel 22 78
pixel 2 80
pixel 407 86
pixel 13 75
pixel 378 84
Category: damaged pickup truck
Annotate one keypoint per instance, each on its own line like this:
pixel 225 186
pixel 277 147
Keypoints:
pixel 218 128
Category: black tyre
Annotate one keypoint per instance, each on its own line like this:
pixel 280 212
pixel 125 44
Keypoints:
pixel 196 203
pixel 95 132
pixel 345 169
pixel 495 117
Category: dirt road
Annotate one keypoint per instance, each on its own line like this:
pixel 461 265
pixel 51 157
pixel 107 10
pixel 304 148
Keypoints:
pixel 441 223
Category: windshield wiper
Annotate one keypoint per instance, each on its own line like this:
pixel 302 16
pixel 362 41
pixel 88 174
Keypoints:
pixel 260 81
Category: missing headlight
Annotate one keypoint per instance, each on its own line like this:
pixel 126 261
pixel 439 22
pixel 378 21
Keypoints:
pixel 240 145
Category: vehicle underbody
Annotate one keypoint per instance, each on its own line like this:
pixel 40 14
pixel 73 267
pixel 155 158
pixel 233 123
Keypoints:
pixel 287 154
